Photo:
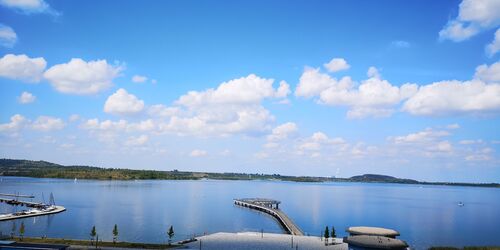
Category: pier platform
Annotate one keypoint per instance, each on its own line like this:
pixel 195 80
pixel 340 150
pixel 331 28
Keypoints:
pixel 271 207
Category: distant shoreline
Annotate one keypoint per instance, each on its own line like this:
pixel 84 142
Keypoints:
pixel 43 169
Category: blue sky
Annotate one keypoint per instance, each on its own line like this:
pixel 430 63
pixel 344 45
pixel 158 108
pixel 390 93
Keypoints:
pixel 291 87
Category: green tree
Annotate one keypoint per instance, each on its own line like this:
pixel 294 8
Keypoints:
pixel 333 234
pixel 21 230
pixel 327 234
pixel 170 234
pixel 93 233
pixel 115 233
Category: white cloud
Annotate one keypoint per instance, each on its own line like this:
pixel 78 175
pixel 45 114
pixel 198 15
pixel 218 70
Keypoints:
pixel 139 79
pixel 119 126
pixel 373 73
pixel 473 17
pixel 17 122
pixel 154 81
pixel 444 146
pixel 198 153
pixel 480 95
pixel 454 97
pixel 48 123
pixel 21 67
pixel 312 83
pixel 483 154
pixel 160 110
pixel 123 103
pixel 26 98
pixel 489 74
pixel 245 90
pixel 81 77
pixel 137 141
pixel 428 135
pixel 337 64
pixel 8 36
pixel 29 6
pixel 283 131
pixel 494 46
pixel 318 140
pixel 234 107
pixel 374 97
pixel 283 90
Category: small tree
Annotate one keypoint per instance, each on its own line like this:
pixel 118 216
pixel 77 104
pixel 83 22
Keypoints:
pixel 170 234
pixel 21 230
pixel 13 230
pixel 115 233
pixel 333 234
pixel 327 235
pixel 93 233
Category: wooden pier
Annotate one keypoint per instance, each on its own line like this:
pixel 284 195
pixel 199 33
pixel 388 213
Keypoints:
pixel 271 207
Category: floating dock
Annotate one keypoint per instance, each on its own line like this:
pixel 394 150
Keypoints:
pixel 271 207
pixel 31 213
pixel 37 208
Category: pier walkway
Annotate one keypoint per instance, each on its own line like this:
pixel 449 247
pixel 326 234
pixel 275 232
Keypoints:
pixel 271 207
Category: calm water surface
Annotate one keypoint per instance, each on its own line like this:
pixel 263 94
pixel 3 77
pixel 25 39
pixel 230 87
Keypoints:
pixel 424 215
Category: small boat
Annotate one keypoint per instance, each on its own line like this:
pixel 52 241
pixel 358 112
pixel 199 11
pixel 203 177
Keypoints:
pixel 460 204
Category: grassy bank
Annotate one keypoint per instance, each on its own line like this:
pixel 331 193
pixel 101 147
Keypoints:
pixel 101 243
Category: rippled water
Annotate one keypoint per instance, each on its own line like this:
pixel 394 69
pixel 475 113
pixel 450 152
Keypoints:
pixel 143 210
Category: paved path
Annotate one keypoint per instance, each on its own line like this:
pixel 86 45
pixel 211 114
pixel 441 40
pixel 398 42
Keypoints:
pixel 255 240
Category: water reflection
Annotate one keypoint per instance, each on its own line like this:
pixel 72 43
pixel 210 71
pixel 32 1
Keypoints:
pixel 143 210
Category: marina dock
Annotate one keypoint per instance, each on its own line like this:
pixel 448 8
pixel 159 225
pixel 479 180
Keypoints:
pixel 37 208
pixel 271 207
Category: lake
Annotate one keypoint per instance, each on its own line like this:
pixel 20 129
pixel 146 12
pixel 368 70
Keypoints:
pixel 143 210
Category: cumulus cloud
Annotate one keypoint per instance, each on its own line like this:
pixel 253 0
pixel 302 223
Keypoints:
pixel 454 97
pixel 198 153
pixel 488 74
pixel 81 77
pixel 17 122
pixel 494 46
pixel 7 36
pixel 245 90
pixel 283 131
pixel 26 97
pixel 48 123
pixel 234 107
pixel 373 97
pixel 479 95
pixel 337 64
pixel 21 67
pixel 473 17
pixel 139 79
pixel 123 103
pixel 29 6
pixel 160 110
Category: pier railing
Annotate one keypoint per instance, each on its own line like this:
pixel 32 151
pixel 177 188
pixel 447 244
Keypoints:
pixel 265 206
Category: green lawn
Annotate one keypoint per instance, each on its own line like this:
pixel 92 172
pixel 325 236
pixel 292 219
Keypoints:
pixel 101 243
